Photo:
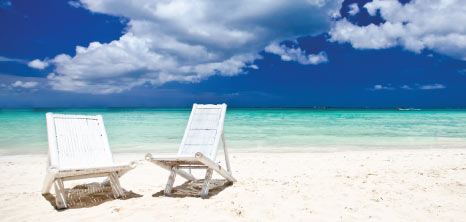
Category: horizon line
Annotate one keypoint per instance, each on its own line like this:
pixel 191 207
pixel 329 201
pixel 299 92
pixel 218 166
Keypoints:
pixel 237 107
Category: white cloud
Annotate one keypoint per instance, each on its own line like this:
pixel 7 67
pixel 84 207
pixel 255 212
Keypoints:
pixel 315 59
pixel 296 54
pixel 25 85
pixel 7 59
pixel 18 84
pixel 417 25
pixel 74 4
pixel 433 86
pixel 406 87
pixel 353 9
pixel 38 64
pixel 188 41
pixel 382 87
pixel 253 66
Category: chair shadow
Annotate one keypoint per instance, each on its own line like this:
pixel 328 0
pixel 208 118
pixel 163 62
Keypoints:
pixel 193 189
pixel 89 195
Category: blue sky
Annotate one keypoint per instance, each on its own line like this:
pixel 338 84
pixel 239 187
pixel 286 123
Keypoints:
pixel 103 53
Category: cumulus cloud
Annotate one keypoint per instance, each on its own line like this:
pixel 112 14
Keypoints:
pixel 353 9
pixel 417 25
pixel 296 54
pixel 26 85
pixel 187 41
pixel 38 64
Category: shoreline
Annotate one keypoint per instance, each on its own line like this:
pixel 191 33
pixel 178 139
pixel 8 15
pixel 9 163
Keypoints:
pixel 333 149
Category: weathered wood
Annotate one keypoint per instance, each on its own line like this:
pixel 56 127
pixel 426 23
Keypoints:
pixel 205 187
pixel 184 174
pixel 60 195
pixel 78 149
pixel 192 167
pixel 225 151
pixel 177 158
pixel 50 177
pixel 115 192
pixel 119 174
pixel 176 163
pixel 199 146
pixel 171 181
pixel 211 164
pixel 203 130
pixel 115 184
pixel 52 138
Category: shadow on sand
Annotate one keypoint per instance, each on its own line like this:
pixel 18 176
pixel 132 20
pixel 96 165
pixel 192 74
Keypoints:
pixel 193 188
pixel 89 195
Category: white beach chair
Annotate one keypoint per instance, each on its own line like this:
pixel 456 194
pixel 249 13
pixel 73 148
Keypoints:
pixel 198 149
pixel 78 149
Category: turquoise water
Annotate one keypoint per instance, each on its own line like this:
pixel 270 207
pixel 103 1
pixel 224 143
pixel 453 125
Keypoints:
pixel 23 131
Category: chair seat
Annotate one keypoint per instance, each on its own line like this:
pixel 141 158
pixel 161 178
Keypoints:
pixel 177 159
pixel 94 171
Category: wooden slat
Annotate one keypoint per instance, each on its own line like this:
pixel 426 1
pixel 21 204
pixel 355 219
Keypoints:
pixel 205 119
pixel 201 137
pixel 204 129
pixel 68 116
pixel 192 167
pixel 52 138
pixel 175 163
pixel 81 142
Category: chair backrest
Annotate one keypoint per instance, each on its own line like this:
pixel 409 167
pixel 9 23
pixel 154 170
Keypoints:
pixel 77 141
pixel 204 130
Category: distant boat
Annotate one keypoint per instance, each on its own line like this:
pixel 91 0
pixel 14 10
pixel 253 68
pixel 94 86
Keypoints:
pixel 407 109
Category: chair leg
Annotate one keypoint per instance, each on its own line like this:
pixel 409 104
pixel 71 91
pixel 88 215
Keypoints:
pixel 60 195
pixel 115 184
pixel 48 182
pixel 205 187
pixel 171 181
pixel 225 151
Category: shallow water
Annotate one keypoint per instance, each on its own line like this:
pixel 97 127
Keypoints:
pixel 23 131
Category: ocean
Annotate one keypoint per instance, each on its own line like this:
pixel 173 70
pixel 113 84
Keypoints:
pixel 23 131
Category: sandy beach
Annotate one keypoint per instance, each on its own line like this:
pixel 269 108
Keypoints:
pixel 375 185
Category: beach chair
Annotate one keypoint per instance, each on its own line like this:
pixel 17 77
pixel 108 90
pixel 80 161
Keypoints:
pixel 78 149
pixel 198 149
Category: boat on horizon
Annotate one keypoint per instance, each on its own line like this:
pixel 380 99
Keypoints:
pixel 408 109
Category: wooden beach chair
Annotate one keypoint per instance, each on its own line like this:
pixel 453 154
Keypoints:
pixel 198 149
pixel 78 149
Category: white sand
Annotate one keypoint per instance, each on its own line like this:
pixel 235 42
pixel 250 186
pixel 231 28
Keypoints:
pixel 392 185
